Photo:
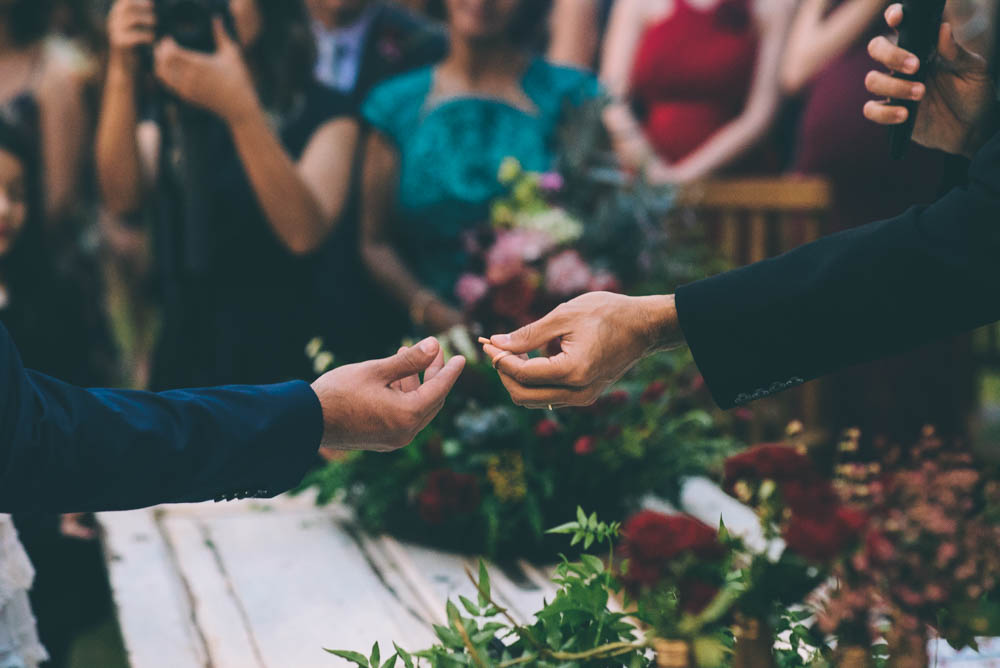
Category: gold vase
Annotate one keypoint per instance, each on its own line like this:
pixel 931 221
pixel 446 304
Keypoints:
pixel 852 656
pixel 754 644
pixel 672 653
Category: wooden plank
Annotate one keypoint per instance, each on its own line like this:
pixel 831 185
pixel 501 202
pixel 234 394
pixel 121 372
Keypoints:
pixel 758 237
pixel 305 584
pixel 760 193
pixel 221 619
pixel 154 612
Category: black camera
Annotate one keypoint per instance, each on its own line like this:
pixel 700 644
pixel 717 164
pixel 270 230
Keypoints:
pixel 189 22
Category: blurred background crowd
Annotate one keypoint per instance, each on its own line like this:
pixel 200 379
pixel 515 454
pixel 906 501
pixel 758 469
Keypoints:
pixel 171 217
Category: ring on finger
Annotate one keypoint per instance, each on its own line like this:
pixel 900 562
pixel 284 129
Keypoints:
pixel 499 358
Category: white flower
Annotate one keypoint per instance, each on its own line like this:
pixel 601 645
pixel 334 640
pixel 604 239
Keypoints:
pixel 556 223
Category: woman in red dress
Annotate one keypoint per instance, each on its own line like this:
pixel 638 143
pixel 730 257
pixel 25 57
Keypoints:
pixel 697 82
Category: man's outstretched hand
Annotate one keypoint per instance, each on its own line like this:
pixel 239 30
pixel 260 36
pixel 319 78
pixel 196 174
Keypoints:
pixel 955 101
pixel 383 404
pixel 601 336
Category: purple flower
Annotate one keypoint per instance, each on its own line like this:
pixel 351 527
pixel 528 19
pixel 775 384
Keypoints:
pixel 567 274
pixel 470 289
pixel 551 182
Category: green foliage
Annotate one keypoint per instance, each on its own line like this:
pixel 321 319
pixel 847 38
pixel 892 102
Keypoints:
pixel 640 443
pixel 575 629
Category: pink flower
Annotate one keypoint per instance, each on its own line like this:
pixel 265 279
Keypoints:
pixel 567 274
pixel 551 181
pixel 584 445
pixel 604 281
pixel 512 249
pixel 471 289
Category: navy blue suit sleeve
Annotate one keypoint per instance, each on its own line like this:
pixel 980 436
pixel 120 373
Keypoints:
pixel 852 297
pixel 65 449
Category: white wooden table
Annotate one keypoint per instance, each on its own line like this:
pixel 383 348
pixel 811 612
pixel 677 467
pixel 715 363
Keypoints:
pixel 253 584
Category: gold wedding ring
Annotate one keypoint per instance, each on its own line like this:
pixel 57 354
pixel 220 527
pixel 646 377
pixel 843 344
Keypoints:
pixel 499 358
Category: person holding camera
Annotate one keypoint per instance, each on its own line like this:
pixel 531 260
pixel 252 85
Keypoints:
pixel 247 162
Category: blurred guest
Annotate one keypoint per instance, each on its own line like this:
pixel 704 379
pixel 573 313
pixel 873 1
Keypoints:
pixel 363 42
pixel 440 136
pixel 249 160
pixel 697 80
pixel 574 32
pixel 826 62
pixel 61 332
pixel 42 83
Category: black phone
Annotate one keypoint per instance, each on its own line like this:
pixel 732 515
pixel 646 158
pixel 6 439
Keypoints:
pixel 189 22
pixel 918 34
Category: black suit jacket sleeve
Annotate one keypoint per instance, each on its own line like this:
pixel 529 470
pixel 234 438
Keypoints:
pixel 66 449
pixel 852 297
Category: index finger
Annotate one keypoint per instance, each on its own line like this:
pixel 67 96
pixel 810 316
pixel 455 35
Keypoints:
pixel 432 393
pixel 894 15
pixel 554 370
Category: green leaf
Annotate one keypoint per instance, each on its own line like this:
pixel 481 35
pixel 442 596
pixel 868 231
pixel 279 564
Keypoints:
pixel 404 655
pixel 469 606
pixel 484 585
pixel 449 637
pixel 390 662
pixel 588 541
pixel 576 539
pixel 581 516
pixel 569 527
pixel 354 657
pixel 594 564
pixel 376 656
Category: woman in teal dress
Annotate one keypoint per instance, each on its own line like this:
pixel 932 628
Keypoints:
pixel 439 137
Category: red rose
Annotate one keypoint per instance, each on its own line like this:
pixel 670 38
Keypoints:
pixel 809 497
pixel 617 398
pixel 584 445
pixel 823 539
pixel 514 299
pixel 653 392
pixel 546 428
pixel 650 540
pixel 773 461
pixel 447 494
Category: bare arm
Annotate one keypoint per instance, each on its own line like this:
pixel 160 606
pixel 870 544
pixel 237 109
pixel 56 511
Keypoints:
pixel 301 202
pixel 381 174
pixel 574 32
pixel 117 152
pixel 816 38
pixel 740 134
pixel 64 122
pixel 628 20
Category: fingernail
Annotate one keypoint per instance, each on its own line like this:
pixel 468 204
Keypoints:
pixel 901 115
pixel 917 91
pixel 501 339
pixel 911 63
pixel 429 345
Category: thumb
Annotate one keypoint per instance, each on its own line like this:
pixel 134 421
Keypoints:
pixel 409 361
pixel 223 40
pixel 531 337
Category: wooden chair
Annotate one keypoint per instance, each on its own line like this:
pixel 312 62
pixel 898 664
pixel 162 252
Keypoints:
pixel 751 219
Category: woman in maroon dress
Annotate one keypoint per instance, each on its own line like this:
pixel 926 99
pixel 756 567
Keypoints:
pixel 826 62
pixel 697 80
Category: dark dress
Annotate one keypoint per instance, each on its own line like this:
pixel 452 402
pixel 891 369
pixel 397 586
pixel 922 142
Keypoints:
pixel 238 305
pixel 892 397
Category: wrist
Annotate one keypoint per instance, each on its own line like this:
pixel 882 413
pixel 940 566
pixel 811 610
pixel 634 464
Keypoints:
pixel 122 69
pixel 661 330
pixel 243 114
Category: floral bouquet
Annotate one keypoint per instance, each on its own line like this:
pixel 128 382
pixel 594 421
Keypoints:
pixel 486 477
